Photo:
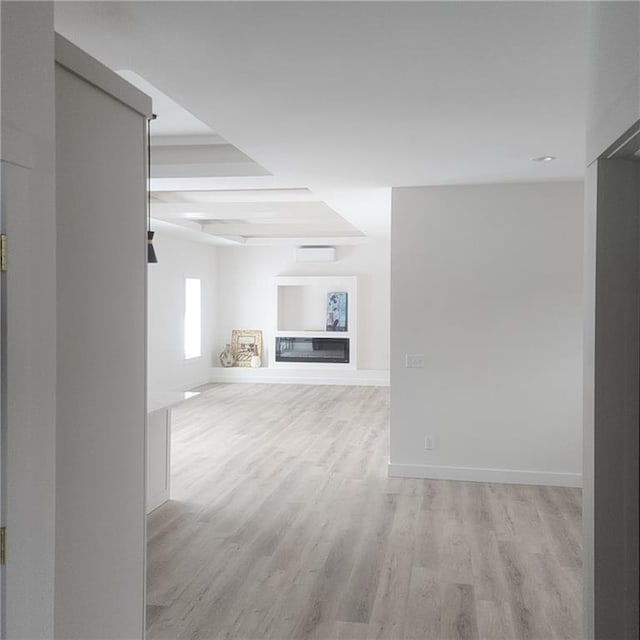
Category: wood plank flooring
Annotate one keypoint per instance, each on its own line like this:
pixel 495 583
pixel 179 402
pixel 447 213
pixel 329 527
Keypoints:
pixel 283 524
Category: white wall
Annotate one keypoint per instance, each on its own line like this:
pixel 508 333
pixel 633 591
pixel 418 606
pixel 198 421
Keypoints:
pixel 487 284
pixel 179 259
pixel 28 201
pixel 245 294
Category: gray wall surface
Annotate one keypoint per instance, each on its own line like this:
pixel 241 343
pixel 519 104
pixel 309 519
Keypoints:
pixel 612 206
pixel 617 385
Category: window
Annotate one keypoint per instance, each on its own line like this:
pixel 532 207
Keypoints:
pixel 192 318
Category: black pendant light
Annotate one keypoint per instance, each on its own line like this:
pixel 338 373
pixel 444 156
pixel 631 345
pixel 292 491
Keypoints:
pixel 151 252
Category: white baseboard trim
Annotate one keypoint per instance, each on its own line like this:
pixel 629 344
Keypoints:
pixel 357 377
pixel 155 501
pixel 479 474
pixel 201 382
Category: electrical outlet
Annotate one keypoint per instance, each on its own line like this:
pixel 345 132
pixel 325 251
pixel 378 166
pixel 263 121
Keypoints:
pixel 428 443
pixel 414 361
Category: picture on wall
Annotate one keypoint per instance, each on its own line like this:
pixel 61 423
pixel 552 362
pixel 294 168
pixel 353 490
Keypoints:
pixel 337 311
pixel 245 343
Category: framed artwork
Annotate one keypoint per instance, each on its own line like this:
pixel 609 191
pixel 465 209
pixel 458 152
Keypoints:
pixel 245 343
pixel 337 311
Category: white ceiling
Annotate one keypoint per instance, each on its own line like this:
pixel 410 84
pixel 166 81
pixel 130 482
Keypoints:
pixel 351 98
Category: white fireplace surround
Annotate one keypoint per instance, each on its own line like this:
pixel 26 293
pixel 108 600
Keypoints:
pixel 299 311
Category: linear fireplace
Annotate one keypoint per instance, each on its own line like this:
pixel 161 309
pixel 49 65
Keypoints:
pixel 290 349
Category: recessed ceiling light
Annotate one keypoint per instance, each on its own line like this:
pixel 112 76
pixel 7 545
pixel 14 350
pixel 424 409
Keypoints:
pixel 543 159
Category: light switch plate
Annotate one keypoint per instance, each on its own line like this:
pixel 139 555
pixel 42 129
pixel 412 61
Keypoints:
pixel 414 361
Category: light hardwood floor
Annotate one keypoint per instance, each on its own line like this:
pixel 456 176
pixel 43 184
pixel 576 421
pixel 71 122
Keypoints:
pixel 283 524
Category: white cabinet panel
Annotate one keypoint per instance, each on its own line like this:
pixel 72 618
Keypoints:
pixel 158 458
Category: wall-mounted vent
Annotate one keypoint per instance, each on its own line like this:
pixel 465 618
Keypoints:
pixel 315 254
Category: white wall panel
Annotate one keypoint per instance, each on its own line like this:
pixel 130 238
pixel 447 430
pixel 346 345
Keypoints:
pixel 28 202
pixel 101 363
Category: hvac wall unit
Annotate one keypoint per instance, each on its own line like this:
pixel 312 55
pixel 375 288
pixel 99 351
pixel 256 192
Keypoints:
pixel 315 254
pixel 301 338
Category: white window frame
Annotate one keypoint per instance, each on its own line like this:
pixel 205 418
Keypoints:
pixel 192 318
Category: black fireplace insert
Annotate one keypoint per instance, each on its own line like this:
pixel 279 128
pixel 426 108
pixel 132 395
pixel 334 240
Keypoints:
pixel 312 350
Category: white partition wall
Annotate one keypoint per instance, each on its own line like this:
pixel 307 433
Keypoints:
pixel 27 189
pixel 486 318
pixel 101 270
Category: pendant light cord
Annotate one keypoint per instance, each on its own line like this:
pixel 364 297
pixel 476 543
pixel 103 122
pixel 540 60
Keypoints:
pixel 151 253
pixel 153 117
